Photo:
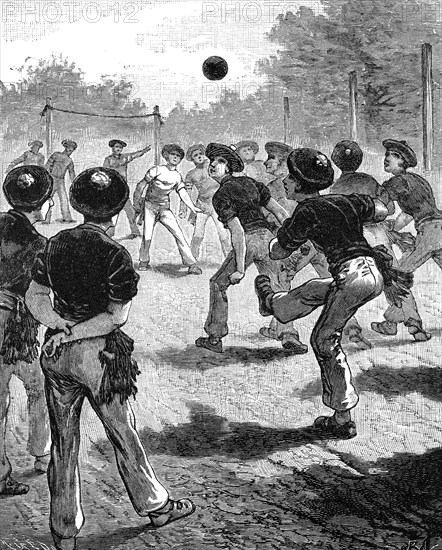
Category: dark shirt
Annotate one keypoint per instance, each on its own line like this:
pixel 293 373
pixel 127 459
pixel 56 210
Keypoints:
pixel 242 197
pixel 357 182
pixel 414 196
pixel 85 269
pixel 333 223
pixel 20 245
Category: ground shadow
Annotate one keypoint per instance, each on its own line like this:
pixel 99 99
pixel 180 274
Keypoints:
pixel 194 358
pixel 390 382
pixel 208 434
pixel 401 341
pixel 399 497
pixel 174 271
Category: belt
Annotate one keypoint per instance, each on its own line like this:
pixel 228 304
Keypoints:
pixel 426 219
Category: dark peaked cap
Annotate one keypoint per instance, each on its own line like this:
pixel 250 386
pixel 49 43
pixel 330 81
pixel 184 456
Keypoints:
pixel 312 168
pixel 403 149
pixel 235 162
pixel 278 148
pixel 113 142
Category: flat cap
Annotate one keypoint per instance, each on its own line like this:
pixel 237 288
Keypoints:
pixel 312 168
pixel 403 149
pixel 248 143
pixel 234 161
pixel 113 142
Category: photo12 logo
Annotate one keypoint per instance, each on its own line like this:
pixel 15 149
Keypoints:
pixel 68 12
pixel 265 11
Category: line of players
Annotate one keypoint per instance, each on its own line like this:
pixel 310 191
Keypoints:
pixel 93 282
pixel 151 203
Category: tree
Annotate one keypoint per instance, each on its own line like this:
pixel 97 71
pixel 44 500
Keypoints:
pixel 60 79
pixel 380 39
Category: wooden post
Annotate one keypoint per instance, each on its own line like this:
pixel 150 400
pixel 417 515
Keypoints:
pixel 48 115
pixel 427 105
pixel 286 119
pixel 353 104
pixel 156 134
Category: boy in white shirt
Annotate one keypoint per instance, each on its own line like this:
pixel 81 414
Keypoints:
pixel 160 182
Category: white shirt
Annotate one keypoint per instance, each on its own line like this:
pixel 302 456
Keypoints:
pixel 163 181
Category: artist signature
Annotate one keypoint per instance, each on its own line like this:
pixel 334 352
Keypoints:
pixel 422 545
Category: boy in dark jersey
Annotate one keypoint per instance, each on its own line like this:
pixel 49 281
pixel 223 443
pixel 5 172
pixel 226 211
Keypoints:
pixel 333 223
pixel 87 356
pixel 415 198
pixel 238 203
pixel 28 189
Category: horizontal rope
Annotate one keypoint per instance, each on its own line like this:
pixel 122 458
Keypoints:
pixel 50 108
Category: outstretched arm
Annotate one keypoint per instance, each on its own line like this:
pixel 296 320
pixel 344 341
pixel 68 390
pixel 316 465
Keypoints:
pixel 138 154
pixel 16 162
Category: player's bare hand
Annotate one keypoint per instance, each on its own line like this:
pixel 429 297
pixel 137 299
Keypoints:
pixel 64 326
pixel 236 277
pixel 50 348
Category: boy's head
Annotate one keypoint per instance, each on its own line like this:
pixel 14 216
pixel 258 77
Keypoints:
pixel 347 155
pixel 28 188
pixel 99 194
pixel 172 153
pixel 277 154
pixel 117 145
pixel 196 154
pixel 310 171
pixel 223 160
pixel 247 150
pixel 69 146
pixel 398 156
pixel 35 145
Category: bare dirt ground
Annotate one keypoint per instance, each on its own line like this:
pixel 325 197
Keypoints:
pixel 233 431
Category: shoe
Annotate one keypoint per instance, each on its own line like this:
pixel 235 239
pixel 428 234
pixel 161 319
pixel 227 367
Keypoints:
pixel 143 266
pixel 268 333
pixel 328 426
pixel 129 237
pixel 291 342
pixel 12 488
pixel 264 292
pixel 355 336
pixel 204 342
pixel 194 270
pixel 172 511
pixel 64 544
pixel 41 463
pixel 386 328
pixel 418 333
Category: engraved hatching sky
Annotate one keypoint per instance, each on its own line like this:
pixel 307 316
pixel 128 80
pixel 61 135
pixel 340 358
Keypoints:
pixel 159 45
